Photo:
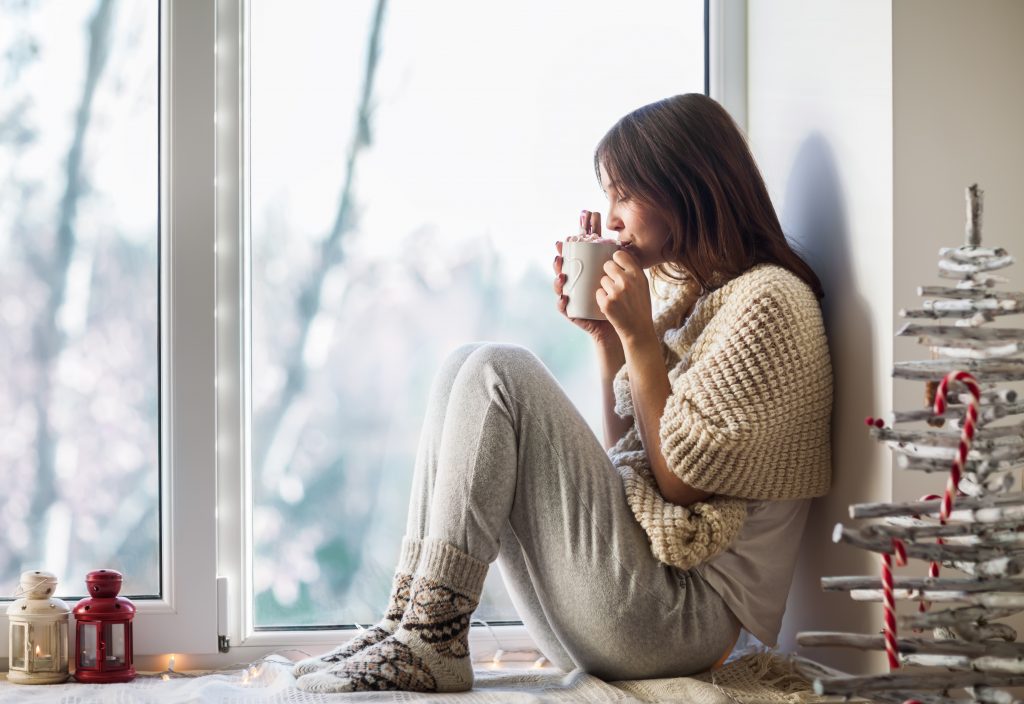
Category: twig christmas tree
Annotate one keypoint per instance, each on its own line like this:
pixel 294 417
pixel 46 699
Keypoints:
pixel 977 525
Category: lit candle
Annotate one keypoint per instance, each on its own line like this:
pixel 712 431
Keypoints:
pixel 41 659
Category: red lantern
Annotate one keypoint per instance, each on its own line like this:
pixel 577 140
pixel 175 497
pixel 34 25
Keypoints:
pixel 104 629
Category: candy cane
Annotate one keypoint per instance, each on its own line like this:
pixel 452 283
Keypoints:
pixel 889 601
pixel 966 435
pixel 889 629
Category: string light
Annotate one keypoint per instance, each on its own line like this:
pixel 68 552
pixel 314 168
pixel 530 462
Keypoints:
pixel 170 663
pixel 496 661
pixel 539 662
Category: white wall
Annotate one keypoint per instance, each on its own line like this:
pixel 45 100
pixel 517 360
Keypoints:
pixel 868 118
pixel 820 123
pixel 958 118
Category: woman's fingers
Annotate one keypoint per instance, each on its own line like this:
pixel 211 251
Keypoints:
pixel 559 283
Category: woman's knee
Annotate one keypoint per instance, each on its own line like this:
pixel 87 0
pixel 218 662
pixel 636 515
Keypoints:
pixel 504 356
pixel 452 363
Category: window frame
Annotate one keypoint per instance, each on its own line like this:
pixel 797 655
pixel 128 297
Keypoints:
pixel 724 19
pixel 207 601
pixel 183 617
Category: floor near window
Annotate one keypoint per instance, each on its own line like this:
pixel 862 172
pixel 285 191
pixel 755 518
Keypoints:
pixel 742 681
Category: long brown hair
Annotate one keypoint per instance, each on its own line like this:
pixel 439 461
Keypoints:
pixel 685 157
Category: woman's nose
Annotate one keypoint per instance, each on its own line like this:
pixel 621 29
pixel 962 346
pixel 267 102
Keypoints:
pixel 614 222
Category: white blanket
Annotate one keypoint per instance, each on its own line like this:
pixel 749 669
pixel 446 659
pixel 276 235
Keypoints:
pixel 759 678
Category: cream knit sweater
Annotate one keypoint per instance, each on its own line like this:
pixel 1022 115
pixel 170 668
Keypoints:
pixel 748 416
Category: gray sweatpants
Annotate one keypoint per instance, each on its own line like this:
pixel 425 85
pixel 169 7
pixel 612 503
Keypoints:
pixel 508 469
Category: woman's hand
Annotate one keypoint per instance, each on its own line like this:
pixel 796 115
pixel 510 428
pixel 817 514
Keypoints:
pixel 625 298
pixel 600 330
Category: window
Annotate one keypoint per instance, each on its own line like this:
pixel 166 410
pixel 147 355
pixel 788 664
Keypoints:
pixel 79 310
pixel 197 361
pixel 403 202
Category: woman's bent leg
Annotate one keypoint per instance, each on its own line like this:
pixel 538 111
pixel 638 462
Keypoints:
pixel 516 455
pixel 425 468
pixel 419 502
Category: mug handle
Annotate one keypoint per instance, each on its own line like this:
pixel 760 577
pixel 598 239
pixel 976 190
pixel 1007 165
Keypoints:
pixel 572 278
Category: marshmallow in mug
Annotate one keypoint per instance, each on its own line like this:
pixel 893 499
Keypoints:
pixel 590 237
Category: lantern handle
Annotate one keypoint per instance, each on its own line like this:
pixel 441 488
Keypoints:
pixel 21 591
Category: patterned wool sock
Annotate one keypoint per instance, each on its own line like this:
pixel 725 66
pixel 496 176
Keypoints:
pixel 430 650
pixel 407 560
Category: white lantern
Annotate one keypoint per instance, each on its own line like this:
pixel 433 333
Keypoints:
pixel 38 645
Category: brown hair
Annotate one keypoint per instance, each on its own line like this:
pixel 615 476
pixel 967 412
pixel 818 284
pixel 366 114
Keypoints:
pixel 685 157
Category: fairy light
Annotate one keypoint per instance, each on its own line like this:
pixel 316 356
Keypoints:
pixel 170 663
pixel 539 662
pixel 496 661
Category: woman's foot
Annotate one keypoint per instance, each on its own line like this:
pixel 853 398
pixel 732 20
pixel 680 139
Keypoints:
pixel 429 652
pixel 399 599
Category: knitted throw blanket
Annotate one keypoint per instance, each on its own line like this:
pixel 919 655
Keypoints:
pixel 748 416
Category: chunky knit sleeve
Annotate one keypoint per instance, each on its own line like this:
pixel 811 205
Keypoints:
pixel 749 416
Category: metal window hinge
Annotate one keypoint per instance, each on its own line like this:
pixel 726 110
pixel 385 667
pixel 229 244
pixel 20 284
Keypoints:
pixel 223 640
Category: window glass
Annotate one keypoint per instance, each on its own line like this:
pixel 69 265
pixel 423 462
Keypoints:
pixel 88 643
pixel 383 238
pixel 79 391
pixel 18 640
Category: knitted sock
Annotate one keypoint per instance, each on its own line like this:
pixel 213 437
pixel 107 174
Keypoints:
pixel 430 650
pixel 397 602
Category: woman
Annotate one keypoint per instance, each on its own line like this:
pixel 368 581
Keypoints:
pixel 645 555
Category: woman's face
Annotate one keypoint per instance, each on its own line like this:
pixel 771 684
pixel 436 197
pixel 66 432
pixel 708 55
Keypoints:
pixel 640 228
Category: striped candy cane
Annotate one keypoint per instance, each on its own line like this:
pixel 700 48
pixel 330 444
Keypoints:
pixel 966 435
pixel 889 629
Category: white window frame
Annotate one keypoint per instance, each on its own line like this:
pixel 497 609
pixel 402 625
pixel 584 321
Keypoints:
pixel 726 56
pixel 207 594
pixel 184 618
pixel 726 22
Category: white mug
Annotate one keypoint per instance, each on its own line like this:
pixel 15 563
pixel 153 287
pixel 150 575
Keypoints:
pixel 583 266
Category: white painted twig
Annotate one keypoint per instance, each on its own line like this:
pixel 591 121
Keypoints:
pixel 981 266
pixel 985 663
pixel 997 452
pixel 969 294
pixel 958 619
pixel 970 254
pixel 988 601
pixel 927 551
pixel 952 332
pixel 975 279
pixel 921 508
pixel 908 528
pixel 984 370
pixel 978 468
pixel 907 681
pixel 986 414
pixel 972 306
pixel 845 584
pixel 988 695
pixel 825 639
pixel 975 201
pixel 984 438
pixel 971 352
